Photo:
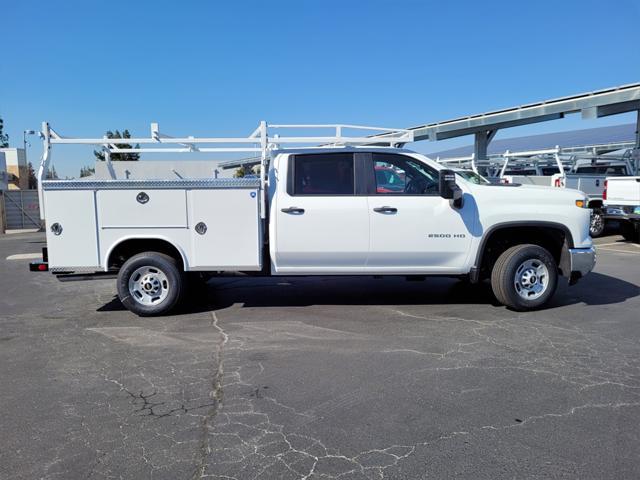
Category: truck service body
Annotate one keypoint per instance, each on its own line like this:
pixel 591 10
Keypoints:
pixel 319 211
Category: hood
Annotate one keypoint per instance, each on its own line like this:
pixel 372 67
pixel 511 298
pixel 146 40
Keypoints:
pixel 541 192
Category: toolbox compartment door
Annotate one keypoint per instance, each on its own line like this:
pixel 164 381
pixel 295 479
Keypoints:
pixel 230 234
pixel 72 239
pixel 147 208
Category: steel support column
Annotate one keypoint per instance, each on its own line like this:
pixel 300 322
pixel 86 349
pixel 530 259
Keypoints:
pixel 636 150
pixel 638 129
pixel 481 143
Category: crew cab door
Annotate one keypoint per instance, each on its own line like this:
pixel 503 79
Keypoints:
pixel 321 215
pixel 412 228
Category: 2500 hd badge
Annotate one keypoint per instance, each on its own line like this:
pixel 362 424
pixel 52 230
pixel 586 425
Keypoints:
pixel 446 235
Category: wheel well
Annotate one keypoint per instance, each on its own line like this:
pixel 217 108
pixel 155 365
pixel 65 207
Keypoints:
pixel 128 248
pixel 595 204
pixel 549 238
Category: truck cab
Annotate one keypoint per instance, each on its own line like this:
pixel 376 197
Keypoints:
pixel 331 212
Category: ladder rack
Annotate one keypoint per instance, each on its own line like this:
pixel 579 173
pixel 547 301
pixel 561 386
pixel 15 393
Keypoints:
pixel 261 141
pixel 558 157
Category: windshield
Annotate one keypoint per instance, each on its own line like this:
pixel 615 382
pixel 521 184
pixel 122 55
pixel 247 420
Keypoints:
pixel 402 174
pixel 473 177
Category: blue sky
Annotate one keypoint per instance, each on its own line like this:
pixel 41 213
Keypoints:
pixel 217 68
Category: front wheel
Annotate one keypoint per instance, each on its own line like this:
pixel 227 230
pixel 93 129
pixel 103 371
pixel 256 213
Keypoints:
pixel 150 284
pixel 524 277
pixel 596 226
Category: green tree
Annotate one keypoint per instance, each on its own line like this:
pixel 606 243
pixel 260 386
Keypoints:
pixel 115 157
pixel 243 171
pixel 87 171
pixel 4 138
pixel 33 180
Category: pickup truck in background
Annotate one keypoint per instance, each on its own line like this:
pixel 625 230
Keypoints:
pixel 347 209
pixel 585 177
pixel 622 203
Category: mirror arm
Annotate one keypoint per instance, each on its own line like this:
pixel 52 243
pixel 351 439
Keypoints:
pixel 458 197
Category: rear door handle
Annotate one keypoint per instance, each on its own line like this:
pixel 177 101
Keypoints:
pixel 385 210
pixel 293 210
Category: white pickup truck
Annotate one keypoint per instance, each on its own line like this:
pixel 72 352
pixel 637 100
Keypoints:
pixel 622 203
pixel 349 208
pixel 586 177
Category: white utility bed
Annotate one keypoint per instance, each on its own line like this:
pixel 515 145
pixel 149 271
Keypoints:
pixel 94 216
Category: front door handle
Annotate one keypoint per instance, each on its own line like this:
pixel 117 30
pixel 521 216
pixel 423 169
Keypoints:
pixel 386 210
pixel 293 210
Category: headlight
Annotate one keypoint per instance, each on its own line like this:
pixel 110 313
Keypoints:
pixel 582 203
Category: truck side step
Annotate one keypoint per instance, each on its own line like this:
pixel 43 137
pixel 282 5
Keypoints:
pixel 78 277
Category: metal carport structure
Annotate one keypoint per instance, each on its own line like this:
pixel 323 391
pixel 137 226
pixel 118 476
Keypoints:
pixel 484 126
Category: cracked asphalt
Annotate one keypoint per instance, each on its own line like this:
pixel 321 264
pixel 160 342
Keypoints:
pixel 320 378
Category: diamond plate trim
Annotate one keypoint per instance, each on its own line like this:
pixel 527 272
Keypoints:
pixel 195 183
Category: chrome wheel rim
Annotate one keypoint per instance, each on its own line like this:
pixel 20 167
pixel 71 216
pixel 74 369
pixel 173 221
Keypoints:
pixel 148 285
pixel 531 279
pixel 597 222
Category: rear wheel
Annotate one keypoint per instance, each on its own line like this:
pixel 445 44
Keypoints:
pixel 596 226
pixel 524 277
pixel 150 284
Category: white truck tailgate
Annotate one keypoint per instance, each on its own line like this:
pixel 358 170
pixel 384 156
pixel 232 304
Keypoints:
pixel 623 191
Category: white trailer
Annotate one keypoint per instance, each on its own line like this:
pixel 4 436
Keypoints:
pixel 355 205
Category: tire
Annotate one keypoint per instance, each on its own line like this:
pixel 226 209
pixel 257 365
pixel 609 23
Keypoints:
pixel 597 223
pixel 628 231
pixel 524 277
pixel 150 284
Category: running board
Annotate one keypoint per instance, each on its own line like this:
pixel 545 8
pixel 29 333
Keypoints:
pixel 78 277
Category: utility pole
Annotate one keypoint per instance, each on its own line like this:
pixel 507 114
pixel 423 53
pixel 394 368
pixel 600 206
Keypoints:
pixel 24 141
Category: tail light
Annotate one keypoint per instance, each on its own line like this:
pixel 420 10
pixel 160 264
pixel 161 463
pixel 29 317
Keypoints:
pixel 604 192
pixel 557 183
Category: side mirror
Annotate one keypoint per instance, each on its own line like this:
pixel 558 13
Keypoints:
pixel 449 189
pixel 447 184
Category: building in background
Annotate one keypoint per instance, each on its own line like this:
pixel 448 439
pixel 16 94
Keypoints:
pixel 16 168
pixel 4 175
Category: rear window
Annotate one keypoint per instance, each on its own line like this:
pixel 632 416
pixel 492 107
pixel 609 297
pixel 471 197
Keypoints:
pixel 550 171
pixel 323 174
pixel 613 170
pixel 520 172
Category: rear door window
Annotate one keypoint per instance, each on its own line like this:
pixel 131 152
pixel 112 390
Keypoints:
pixel 323 174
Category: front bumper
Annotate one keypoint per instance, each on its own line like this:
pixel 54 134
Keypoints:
pixel 581 261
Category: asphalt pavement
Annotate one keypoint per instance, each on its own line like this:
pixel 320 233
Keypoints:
pixel 318 378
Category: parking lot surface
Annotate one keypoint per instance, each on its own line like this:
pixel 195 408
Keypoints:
pixel 320 378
